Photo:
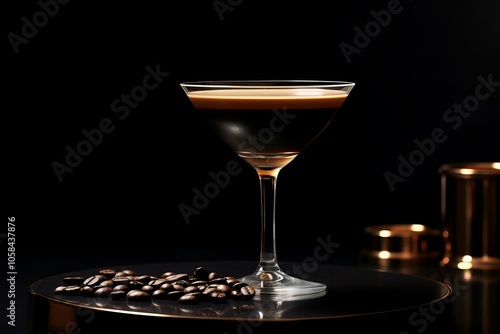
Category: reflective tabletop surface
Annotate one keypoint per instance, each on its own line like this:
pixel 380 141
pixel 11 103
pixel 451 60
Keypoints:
pixel 397 297
pixel 354 297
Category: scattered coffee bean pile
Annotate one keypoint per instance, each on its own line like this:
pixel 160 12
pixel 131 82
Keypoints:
pixel 126 285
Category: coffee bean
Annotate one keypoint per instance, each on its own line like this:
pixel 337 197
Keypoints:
pixel 237 286
pixel 109 273
pixel 126 272
pixel 183 282
pixel 117 280
pixel 167 273
pixel 174 295
pixel 157 282
pixel 198 282
pixel 202 287
pixel 108 283
pixel 144 279
pixel 236 295
pixel 119 295
pixel 72 290
pixel 223 288
pixel 247 292
pixel 121 287
pixel 201 273
pixel 176 277
pixel 218 297
pixel 87 291
pixel 167 287
pixel 209 290
pixel 188 299
pixel 212 275
pixel 191 289
pixel 94 280
pixel 60 289
pixel 73 280
pixel 231 280
pixel 197 294
pixel 159 294
pixel 135 285
pixel 219 280
pixel 178 287
pixel 138 296
pixel 68 290
pixel 148 288
pixel 103 292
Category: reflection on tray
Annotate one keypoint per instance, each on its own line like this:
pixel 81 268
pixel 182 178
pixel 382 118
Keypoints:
pixel 255 309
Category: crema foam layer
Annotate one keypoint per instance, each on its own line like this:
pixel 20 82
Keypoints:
pixel 268 98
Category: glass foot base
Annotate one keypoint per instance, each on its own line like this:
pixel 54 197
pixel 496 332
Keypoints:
pixel 279 286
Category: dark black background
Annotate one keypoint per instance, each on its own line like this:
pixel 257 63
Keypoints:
pixel 126 193
pixel 123 198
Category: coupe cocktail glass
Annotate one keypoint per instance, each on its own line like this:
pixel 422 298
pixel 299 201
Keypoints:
pixel 268 123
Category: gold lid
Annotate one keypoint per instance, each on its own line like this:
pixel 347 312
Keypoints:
pixel 470 169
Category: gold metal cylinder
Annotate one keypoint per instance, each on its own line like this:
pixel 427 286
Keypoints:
pixel 469 213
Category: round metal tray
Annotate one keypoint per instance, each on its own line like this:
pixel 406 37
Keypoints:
pixel 356 297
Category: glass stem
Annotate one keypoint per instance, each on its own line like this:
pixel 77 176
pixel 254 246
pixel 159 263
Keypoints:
pixel 268 260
